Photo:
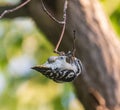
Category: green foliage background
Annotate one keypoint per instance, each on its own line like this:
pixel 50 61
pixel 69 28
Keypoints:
pixel 22 45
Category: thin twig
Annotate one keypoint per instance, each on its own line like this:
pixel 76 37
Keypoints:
pixel 64 26
pixel 50 15
pixel 14 9
pixel 63 22
pixel 74 49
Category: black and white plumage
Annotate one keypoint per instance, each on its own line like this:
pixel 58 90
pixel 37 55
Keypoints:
pixel 61 68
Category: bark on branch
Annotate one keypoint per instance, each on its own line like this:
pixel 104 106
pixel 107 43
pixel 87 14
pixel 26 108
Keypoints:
pixel 11 11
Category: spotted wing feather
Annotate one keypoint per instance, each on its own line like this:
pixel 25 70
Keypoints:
pixel 64 75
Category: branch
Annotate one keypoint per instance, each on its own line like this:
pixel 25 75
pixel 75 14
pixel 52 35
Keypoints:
pixel 63 29
pixel 99 99
pixel 19 13
pixel 14 9
pixel 59 22
pixel 50 15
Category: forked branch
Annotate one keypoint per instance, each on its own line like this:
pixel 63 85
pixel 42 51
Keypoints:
pixel 63 22
pixel 50 15
pixel 14 9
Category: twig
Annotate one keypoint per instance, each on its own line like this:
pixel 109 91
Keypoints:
pixel 63 29
pixel 101 103
pixel 63 22
pixel 74 49
pixel 14 9
pixel 50 15
pixel 97 96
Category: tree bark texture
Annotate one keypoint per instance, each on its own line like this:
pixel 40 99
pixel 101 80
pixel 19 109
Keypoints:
pixel 98 88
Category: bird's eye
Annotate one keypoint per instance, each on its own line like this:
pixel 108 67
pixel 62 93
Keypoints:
pixel 61 58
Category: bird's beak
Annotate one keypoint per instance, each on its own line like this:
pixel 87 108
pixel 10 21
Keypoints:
pixel 40 68
pixel 37 68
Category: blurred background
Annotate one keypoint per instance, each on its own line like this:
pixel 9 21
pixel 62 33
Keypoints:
pixel 22 46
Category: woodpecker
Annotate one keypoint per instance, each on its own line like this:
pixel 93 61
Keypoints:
pixel 62 68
